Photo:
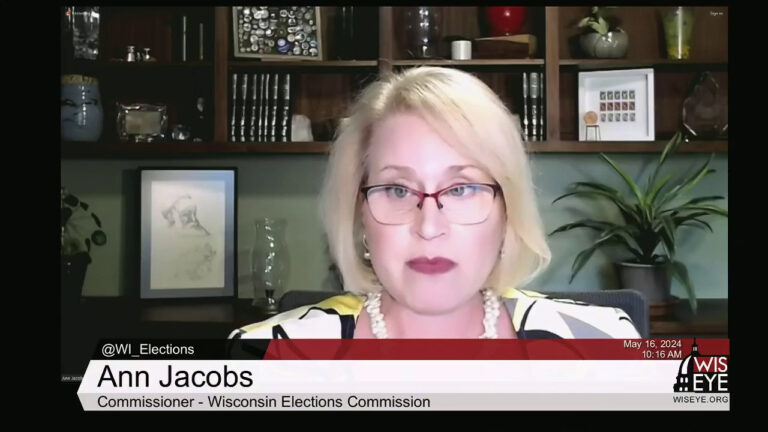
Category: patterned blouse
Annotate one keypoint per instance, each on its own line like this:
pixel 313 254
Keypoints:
pixel 534 315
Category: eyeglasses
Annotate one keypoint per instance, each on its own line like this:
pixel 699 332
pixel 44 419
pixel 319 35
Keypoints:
pixel 464 203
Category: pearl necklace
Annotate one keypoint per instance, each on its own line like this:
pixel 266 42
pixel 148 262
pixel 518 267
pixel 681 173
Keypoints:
pixel 491 307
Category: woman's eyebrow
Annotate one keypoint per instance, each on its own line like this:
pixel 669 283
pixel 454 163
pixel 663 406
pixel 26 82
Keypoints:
pixel 459 168
pixel 409 170
pixel 401 168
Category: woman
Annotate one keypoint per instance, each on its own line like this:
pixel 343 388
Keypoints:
pixel 431 217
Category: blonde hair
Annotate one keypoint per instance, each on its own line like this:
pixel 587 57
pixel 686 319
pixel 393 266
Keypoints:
pixel 474 121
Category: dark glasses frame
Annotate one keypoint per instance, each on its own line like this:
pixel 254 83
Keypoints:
pixel 424 195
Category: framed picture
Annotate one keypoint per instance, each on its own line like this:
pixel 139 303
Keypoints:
pixel 188 233
pixel 632 93
pixel 141 122
pixel 277 32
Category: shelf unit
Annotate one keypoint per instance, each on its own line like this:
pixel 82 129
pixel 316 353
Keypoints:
pixel 187 149
pixel 470 63
pixel 328 64
pixel 80 150
pixel 640 63
pixel 326 88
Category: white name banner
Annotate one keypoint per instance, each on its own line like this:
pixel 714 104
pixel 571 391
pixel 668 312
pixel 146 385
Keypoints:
pixel 396 385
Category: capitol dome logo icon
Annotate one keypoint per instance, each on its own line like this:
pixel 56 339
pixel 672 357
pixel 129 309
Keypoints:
pixel 702 373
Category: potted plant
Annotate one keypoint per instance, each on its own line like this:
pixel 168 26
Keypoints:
pixel 651 218
pixel 602 40
pixel 76 243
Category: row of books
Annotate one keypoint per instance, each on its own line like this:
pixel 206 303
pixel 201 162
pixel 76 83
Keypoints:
pixel 260 107
pixel 533 119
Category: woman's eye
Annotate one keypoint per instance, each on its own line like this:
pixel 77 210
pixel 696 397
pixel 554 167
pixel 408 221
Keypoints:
pixel 397 191
pixel 460 190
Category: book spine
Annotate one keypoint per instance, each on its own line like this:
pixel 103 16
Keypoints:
pixel 244 92
pixel 526 132
pixel 264 109
pixel 541 106
pixel 534 105
pixel 286 114
pixel 184 38
pixel 273 115
pixel 254 102
pixel 201 57
pixel 233 113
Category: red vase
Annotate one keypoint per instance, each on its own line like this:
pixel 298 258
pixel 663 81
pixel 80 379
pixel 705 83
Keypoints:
pixel 505 20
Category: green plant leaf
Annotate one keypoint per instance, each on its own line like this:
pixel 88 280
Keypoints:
pixel 625 209
pixel 653 192
pixel 669 149
pixel 84 206
pixel 679 217
pixel 627 179
pixel 688 183
pixel 621 233
pixel 694 222
pixel 583 223
pixel 687 216
pixel 668 227
pixel 678 271
pixel 685 219
pixel 602 26
pixel 710 209
pixel 664 243
pixel 664 233
pixel 590 194
pixel 586 254
pixel 705 199
pixel 584 22
pixel 596 186
pixel 630 243
pixel 580 260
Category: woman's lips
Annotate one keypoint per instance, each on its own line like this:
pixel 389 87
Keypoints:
pixel 431 266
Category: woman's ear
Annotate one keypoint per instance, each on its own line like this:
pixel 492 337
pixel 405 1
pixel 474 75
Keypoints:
pixel 510 244
pixel 360 211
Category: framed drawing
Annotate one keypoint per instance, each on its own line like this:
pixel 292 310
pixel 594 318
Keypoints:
pixel 277 32
pixel 623 101
pixel 188 232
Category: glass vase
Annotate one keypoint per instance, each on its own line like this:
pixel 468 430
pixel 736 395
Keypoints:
pixel 422 27
pixel 85 31
pixel 678 28
pixel 270 262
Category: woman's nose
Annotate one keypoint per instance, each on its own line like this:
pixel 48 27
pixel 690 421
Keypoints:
pixel 430 222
